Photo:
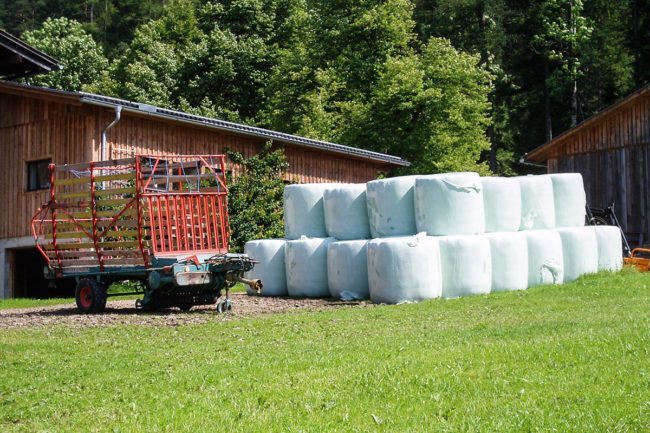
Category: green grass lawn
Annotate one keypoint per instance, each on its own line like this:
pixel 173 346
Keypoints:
pixel 29 302
pixel 572 358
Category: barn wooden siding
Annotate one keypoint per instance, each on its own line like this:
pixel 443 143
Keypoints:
pixel 613 154
pixel 63 129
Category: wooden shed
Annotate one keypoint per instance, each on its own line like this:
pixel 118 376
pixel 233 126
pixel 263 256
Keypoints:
pixel 40 125
pixel 612 151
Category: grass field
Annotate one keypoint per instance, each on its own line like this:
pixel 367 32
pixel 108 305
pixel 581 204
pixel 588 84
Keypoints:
pixel 572 358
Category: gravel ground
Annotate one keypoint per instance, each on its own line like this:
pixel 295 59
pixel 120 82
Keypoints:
pixel 122 312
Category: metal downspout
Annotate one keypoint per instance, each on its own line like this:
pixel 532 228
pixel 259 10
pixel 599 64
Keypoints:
pixel 118 115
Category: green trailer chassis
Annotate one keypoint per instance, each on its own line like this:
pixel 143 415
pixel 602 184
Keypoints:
pixel 181 282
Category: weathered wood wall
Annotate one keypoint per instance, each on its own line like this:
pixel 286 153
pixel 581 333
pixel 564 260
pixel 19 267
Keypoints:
pixel 613 155
pixel 60 128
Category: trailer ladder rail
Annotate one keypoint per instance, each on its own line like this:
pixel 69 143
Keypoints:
pixel 122 212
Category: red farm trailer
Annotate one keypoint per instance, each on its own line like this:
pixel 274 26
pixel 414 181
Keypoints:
pixel 161 221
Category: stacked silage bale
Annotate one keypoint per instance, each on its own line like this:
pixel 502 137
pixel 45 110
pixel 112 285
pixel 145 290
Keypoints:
pixel 419 237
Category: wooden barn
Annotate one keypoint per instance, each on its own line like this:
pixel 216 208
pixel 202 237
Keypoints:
pixel 39 126
pixel 612 151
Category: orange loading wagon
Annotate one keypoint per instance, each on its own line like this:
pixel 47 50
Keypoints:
pixel 158 220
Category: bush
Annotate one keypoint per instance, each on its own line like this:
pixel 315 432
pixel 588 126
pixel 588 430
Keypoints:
pixel 255 197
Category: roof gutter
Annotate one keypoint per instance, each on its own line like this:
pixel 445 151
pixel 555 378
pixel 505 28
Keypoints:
pixel 148 110
pixel 522 161
pixel 118 115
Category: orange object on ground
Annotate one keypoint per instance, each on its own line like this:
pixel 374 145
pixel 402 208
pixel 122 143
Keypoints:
pixel 637 260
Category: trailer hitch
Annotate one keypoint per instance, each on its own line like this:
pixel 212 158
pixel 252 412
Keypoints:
pixel 255 285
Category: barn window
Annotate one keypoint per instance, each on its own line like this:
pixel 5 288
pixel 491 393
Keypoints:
pixel 38 174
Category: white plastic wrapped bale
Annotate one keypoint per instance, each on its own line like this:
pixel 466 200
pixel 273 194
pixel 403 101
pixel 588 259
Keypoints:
pixel 537 204
pixel 303 210
pixel 390 206
pixel 502 199
pixel 449 204
pixel 305 261
pixel 466 265
pixel 269 253
pixel 545 258
pixel 347 269
pixel 570 199
pixel 404 269
pixel 509 254
pixel 579 251
pixel 610 248
pixel 346 213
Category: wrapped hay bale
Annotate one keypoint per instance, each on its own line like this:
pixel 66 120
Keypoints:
pixel 502 199
pixel 570 199
pixel 537 205
pixel 347 269
pixel 390 206
pixel 270 267
pixel 449 204
pixel 305 261
pixel 545 258
pixel 509 254
pixel 303 210
pixel 346 213
pixel 579 251
pixel 610 248
pixel 465 265
pixel 403 269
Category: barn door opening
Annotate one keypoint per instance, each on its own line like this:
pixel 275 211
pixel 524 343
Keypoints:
pixel 26 266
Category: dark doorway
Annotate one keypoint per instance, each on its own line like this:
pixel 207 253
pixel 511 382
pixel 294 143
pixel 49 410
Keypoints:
pixel 29 282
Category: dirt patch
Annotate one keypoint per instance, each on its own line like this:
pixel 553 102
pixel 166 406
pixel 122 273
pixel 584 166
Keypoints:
pixel 122 312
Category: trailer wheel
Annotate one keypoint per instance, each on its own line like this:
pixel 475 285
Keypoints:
pixel 90 296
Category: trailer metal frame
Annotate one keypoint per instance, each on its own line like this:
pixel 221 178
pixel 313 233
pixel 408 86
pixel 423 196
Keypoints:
pixel 158 219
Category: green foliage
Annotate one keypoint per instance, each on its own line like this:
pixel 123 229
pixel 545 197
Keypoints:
pixel 149 70
pixel 608 60
pixel 431 108
pixel 352 75
pixel 66 40
pixel 255 197
pixel 570 358
pixel 319 68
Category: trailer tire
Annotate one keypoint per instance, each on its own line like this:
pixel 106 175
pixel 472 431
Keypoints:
pixel 90 295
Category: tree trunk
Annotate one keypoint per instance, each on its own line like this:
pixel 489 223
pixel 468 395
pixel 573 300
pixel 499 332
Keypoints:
pixel 574 92
pixel 574 104
pixel 548 125
pixel 485 59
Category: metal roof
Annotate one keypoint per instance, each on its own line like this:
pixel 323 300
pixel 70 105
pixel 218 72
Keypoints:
pixel 18 59
pixel 539 154
pixel 222 125
pixel 239 128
